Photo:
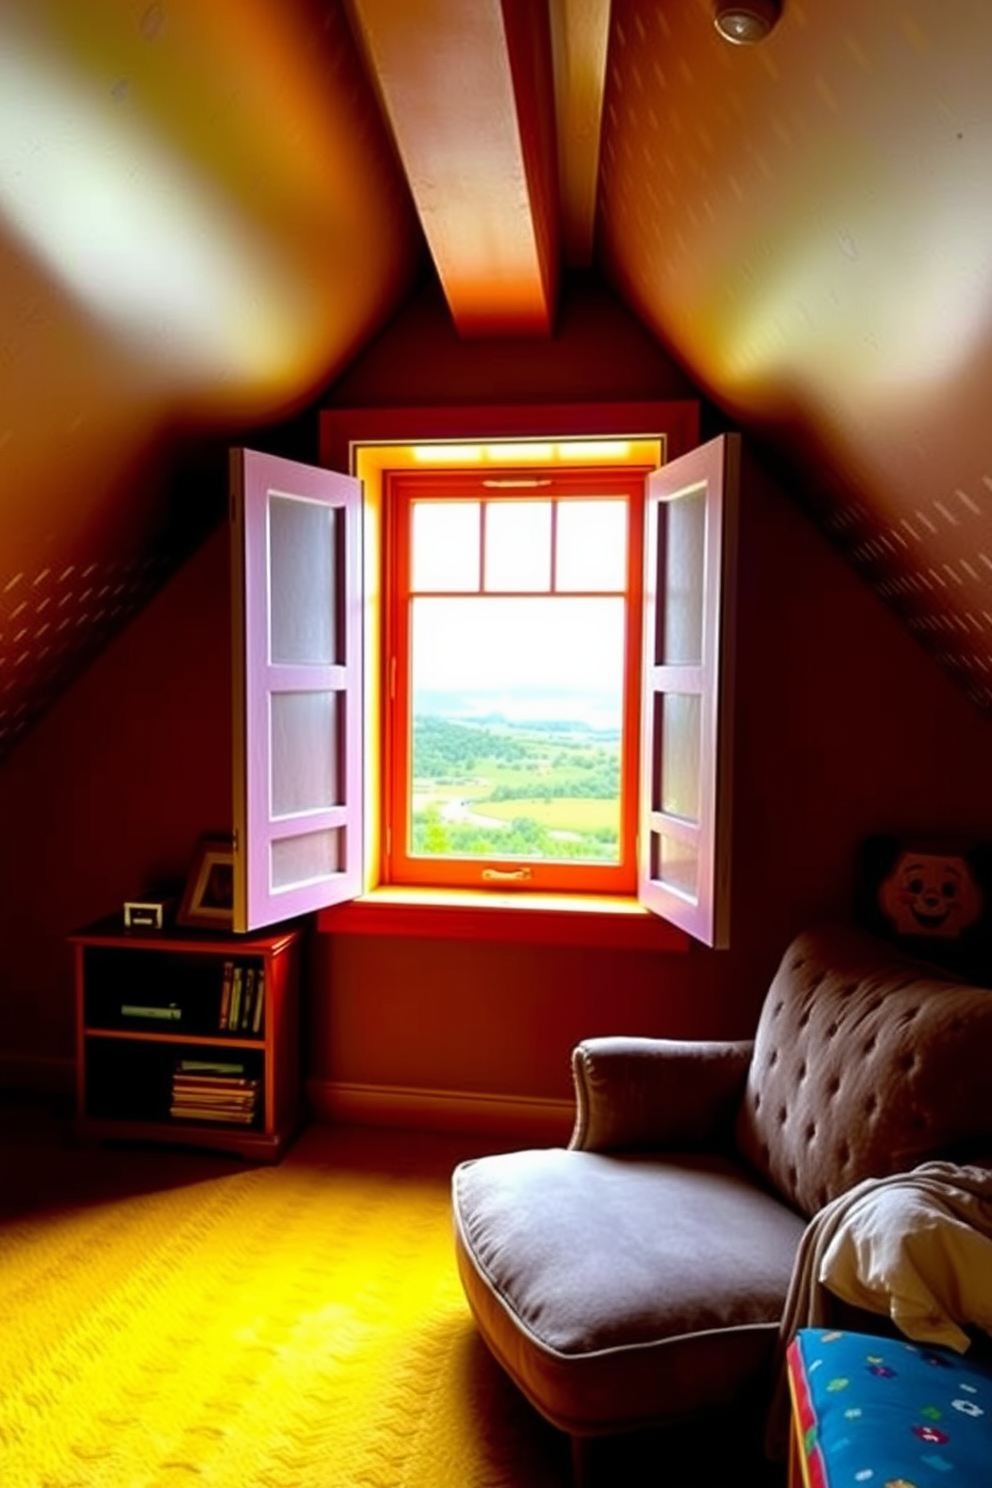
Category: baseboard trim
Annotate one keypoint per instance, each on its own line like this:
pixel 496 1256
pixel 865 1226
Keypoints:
pixel 520 1118
pixel 527 1119
pixel 36 1072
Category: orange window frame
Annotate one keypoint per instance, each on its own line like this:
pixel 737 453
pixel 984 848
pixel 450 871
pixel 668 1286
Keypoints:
pixel 399 864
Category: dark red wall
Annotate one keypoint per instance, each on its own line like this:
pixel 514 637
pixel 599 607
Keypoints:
pixel 105 799
pixel 844 728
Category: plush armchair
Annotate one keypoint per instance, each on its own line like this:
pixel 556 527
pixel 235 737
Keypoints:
pixel 638 1278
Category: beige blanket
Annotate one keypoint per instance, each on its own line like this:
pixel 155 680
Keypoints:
pixel 916 1247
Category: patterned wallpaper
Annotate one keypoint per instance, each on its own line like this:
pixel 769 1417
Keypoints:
pixel 52 623
pixel 807 225
pixel 201 219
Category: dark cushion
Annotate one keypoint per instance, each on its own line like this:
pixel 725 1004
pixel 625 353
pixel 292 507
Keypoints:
pixel 621 1290
pixel 865 1063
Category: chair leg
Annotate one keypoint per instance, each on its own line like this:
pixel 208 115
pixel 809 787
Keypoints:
pixel 582 1458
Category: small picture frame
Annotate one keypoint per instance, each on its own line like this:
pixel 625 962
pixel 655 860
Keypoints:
pixel 208 898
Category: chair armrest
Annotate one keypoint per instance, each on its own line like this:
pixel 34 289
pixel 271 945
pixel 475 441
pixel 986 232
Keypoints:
pixel 665 1093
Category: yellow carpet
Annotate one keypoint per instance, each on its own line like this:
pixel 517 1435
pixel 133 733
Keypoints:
pixel 178 1319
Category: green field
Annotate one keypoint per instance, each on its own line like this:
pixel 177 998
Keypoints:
pixel 564 815
pixel 539 791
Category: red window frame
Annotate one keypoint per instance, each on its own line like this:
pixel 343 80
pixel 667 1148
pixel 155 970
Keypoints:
pixel 400 865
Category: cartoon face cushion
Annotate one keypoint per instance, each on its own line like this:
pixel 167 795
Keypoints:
pixel 930 894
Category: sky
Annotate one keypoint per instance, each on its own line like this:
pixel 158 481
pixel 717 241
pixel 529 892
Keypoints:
pixel 526 658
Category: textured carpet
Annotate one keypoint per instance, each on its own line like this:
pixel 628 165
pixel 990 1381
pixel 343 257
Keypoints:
pixel 174 1319
pixel 178 1319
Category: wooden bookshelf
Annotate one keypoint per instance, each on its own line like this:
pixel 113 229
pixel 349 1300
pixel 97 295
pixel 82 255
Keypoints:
pixel 158 1055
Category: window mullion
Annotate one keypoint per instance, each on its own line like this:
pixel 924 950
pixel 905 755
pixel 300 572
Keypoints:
pixel 553 576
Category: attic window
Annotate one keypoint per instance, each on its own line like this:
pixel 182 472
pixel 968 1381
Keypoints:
pixel 315 843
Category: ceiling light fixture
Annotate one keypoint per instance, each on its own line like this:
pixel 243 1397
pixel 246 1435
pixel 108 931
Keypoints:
pixel 746 21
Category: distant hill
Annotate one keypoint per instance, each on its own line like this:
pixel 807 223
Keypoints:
pixel 549 709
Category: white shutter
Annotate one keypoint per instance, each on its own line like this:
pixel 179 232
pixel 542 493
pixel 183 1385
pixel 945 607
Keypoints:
pixel 687 703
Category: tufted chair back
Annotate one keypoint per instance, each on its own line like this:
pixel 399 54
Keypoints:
pixel 865 1063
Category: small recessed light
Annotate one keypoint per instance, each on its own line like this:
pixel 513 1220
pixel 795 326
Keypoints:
pixel 746 21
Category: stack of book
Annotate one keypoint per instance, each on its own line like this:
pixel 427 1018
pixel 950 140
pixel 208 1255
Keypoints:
pixel 208 1090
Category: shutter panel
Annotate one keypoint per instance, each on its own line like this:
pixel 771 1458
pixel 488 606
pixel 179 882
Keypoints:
pixel 687 694
pixel 297 688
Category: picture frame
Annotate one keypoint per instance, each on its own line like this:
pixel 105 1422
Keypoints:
pixel 208 898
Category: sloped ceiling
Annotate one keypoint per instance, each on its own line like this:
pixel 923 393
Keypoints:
pixel 808 225
pixel 207 209
pixel 201 220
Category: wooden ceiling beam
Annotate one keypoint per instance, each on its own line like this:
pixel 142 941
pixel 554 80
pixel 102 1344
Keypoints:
pixel 580 32
pixel 468 92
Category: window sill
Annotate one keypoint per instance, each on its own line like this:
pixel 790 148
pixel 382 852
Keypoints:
pixel 534 919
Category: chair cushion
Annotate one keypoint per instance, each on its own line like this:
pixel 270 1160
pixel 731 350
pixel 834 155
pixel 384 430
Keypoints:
pixel 883 1411
pixel 865 1063
pixel 621 1291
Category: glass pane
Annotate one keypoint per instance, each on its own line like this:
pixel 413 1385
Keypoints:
pixel 446 545
pixel 518 545
pixel 300 860
pixel 591 545
pixel 305 774
pixel 518 710
pixel 677 737
pixel 302 582
pixel 681 557
pixel 675 863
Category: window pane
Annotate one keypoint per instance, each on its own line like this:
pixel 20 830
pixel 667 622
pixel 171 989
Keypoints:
pixel 518 545
pixel 446 545
pixel 300 860
pixel 591 545
pixel 303 590
pixel 681 556
pixel 517 714
pixel 675 863
pixel 304 769
pixel 677 737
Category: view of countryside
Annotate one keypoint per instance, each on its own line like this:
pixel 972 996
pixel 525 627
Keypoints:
pixel 517 666
pixel 540 789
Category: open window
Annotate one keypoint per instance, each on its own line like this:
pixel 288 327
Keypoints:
pixel 502 565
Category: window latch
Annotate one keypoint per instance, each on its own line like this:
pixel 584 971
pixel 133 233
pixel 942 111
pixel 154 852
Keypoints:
pixel 506 875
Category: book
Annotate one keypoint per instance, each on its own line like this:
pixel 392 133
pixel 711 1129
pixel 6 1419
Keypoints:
pixel 225 1100
pixel 235 1009
pixel 259 1000
pixel 235 1088
pixel 222 1079
pixel 196 1113
pixel 170 1014
pixel 225 995
pixel 248 1000
pixel 210 1067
